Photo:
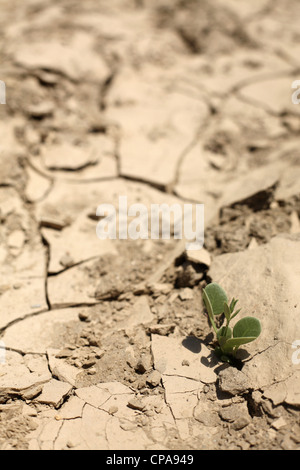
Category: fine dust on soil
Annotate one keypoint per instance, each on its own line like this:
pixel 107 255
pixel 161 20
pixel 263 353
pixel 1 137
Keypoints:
pixel 107 343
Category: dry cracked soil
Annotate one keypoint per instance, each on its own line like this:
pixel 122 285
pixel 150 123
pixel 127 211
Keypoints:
pixel 105 344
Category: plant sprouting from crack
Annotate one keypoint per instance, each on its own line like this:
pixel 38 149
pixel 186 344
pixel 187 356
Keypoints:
pixel 230 339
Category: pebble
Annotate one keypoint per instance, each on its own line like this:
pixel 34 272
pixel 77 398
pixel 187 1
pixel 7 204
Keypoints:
pixel 154 378
pixel 136 404
pixel 186 294
pixel 113 409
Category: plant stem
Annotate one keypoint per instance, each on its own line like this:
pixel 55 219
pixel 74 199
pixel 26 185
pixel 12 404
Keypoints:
pixel 210 312
pixel 226 327
pixel 213 322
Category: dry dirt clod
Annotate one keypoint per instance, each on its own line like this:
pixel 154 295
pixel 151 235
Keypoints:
pixel 236 414
pixel 136 404
pixel 233 381
pixel 162 329
pixel 143 364
pixel 154 378
pixel 64 353
pixel 186 294
pixel 112 410
pixel 279 423
pixel 54 392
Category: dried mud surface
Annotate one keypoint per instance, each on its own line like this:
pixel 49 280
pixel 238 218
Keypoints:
pixel 106 344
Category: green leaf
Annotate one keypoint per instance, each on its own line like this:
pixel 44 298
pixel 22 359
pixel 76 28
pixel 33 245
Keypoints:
pixel 235 313
pixel 216 296
pixel 234 343
pixel 247 327
pixel 227 311
pixel 245 330
pixel 233 304
pixel 209 310
pixel 207 303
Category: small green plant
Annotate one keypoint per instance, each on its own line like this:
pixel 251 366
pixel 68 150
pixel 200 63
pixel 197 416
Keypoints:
pixel 244 331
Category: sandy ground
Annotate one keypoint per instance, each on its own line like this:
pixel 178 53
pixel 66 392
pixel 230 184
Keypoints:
pixel 106 343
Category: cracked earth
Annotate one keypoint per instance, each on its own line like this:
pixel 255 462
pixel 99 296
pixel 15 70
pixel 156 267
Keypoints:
pixel 107 344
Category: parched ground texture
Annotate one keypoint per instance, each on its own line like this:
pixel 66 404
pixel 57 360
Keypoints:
pixel 106 344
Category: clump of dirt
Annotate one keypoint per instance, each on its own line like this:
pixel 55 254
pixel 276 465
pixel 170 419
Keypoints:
pixel 116 275
pixel 12 170
pixel 14 427
pixel 121 355
pixel 240 224
pixel 183 310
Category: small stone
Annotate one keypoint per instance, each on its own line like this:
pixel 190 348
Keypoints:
pixel 185 362
pixel 16 239
pixel 161 329
pixel 160 289
pixel 99 353
pixel 154 378
pixel 135 404
pixel 83 316
pixel 233 381
pixel 208 418
pixel 186 294
pixel 256 401
pixel 287 443
pixel 64 353
pixel 143 364
pixel 279 423
pixel 199 256
pixel 270 410
pixel 141 384
pixel 17 285
pixel 32 392
pixel 94 341
pixel 253 244
pixel 60 368
pixel 66 261
pixel 130 357
pixel 240 423
pixel 237 414
pixel 88 363
pixel 70 444
pixel 113 409
pixel 127 425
